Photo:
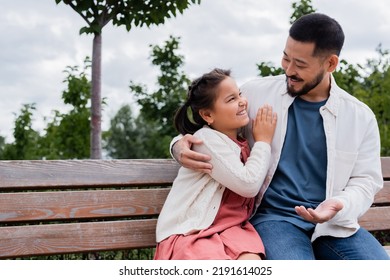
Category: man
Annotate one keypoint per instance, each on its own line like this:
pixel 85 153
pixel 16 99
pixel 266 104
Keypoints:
pixel 325 167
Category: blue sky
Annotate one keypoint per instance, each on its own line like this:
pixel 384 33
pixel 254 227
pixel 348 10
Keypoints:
pixel 39 39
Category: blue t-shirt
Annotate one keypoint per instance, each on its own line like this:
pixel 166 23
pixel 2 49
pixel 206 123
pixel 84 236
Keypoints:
pixel 300 178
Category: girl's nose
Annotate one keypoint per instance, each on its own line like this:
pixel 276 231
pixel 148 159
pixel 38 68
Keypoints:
pixel 242 102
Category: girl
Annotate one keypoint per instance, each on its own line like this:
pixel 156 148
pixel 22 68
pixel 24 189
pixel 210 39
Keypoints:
pixel 205 215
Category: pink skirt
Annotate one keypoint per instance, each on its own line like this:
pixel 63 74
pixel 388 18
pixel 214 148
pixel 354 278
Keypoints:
pixel 227 238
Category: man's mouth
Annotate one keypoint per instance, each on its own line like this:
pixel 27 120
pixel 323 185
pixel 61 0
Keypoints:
pixel 294 79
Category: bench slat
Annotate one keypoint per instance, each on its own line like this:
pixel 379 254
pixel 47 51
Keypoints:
pixel 48 206
pixel 383 196
pixel 51 174
pixel 386 167
pixel 376 218
pixel 387 248
pixel 76 238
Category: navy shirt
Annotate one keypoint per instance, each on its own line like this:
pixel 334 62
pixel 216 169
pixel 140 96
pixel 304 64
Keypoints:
pixel 300 178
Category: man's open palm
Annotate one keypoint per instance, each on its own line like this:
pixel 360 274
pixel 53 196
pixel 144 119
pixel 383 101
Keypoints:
pixel 323 213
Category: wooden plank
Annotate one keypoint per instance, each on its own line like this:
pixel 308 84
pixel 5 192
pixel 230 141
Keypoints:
pixel 376 218
pixel 22 241
pixel 383 196
pixel 50 174
pixel 387 248
pixel 386 167
pixel 39 206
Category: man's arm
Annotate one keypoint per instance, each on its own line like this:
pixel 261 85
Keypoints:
pixel 182 153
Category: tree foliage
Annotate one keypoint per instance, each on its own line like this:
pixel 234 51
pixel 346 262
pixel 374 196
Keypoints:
pixel 122 138
pixel 303 7
pixel 374 91
pixel 67 135
pixel 153 129
pixel 172 82
pixel 130 13
pixel 25 145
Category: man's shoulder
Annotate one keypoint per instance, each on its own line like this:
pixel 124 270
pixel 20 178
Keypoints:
pixel 265 82
pixel 349 104
pixel 349 100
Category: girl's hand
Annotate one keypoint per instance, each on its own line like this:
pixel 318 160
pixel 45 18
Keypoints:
pixel 264 124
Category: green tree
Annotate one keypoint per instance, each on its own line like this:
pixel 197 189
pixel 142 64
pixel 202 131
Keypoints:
pixel 67 135
pixel 2 147
pixel 268 69
pixel 173 84
pixel 129 13
pixel 301 8
pixel 374 91
pixel 134 137
pixel 348 76
pixel 121 139
pixel 25 145
pixel 158 108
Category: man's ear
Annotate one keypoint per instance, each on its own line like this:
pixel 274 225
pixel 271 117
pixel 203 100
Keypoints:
pixel 333 61
pixel 207 115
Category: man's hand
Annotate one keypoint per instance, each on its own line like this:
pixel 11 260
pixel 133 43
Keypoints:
pixel 182 152
pixel 323 213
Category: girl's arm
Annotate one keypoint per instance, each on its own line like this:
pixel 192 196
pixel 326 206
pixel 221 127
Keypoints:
pixel 228 169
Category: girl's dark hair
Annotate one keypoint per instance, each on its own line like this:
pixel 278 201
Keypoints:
pixel 322 30
pixel 201 95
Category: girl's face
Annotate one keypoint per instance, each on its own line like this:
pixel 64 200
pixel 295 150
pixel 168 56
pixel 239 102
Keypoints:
pixel 229 112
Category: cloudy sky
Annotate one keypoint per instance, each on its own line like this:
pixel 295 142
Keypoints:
pixel 39 39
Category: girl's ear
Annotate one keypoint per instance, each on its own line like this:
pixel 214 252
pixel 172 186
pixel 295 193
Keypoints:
pixel 207 115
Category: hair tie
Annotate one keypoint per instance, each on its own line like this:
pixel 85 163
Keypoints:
pixel 190 113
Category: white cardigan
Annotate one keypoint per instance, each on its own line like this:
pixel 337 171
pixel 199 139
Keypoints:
pixel 195 197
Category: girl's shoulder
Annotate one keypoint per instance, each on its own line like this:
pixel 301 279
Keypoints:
pixel 206 133
pixel 212 139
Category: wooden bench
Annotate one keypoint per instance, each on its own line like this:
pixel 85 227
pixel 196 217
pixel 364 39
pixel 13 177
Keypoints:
pixel 75 206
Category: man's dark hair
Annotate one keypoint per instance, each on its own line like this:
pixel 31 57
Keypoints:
pixel 322 30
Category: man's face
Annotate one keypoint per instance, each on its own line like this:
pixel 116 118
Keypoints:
pixel 304 72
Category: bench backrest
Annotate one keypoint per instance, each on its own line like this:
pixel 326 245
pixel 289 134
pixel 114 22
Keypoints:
pixel 378 216
pixel 75 206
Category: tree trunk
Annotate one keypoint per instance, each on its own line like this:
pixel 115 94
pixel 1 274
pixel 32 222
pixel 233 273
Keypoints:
pixel 96 103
